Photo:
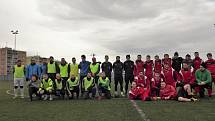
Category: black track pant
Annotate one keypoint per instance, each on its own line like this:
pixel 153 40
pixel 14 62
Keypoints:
pixel 128 78
pixel 118 79
pixel 33 90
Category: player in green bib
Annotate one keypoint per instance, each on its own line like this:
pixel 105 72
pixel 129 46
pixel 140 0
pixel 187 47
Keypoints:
pixel 89 87
pixel 104 86
pixel 58 86
pixel 73 87
pixel 64 71
pixel 95 69
pixel 46 88
pixel 19 74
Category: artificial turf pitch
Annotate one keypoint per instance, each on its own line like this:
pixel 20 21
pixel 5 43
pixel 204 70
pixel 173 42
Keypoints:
pixel 105 110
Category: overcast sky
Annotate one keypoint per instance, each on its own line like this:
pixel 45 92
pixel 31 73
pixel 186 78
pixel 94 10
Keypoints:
pixel 67 28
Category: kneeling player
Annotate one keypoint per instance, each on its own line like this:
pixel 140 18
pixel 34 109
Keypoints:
pixel 204 80
pixel 140 88
pixel 72 86
pixel 104 86
pixel 155 84
pixel 89 86
pixel 167 92
pixel 184 94
pixel 58 87
pixel 33 87
pixel 138 92
pixel 46 87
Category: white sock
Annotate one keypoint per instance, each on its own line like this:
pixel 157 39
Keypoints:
pixel 15 93
pixel 22 92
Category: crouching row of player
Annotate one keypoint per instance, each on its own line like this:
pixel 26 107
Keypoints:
pixel 167 92
pixel 46 88
pixel 182 89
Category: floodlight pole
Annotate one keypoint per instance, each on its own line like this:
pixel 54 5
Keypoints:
pixel 15 33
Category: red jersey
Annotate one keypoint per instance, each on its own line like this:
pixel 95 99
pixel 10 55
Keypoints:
pixel 186 76
pixel 168 91
pixel 149 69
pixel 139 67
pixel 143 80
pixel 138 93
pixel 157 79
pixel 158 66
pixel 196 63
pixel 167 64
pixel 210 65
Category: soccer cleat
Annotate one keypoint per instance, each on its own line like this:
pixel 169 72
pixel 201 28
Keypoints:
pixel 50 98
pixel 193 99
pixel 122 94
pixel 116 94
pixel 45 97
pixel 14 97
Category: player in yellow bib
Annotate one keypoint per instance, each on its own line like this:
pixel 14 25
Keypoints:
pixel 64 71
pixel 19 74
pixel 74 69
pixel 73 87
pixel 104 86
pixel 95 69
pixel 89 86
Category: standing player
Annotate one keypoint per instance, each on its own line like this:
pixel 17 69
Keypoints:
pixel 210 65
pixel 74 70
pixel 157 64
pixel 107 68
pixel 176 62
pixel 149 67
pixel 188 61
pixel 43 67
pixel 32 69
pixel 196 61
pixel 139 66
pixel 118 77
pixel 64 71
pixel 129 72
pixel 52 69
pixel 19 75
pixel 84 69
pixel 95 69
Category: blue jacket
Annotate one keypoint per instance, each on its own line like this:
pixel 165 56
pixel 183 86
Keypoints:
pixel 84 67
pixel 32 69
pixel 43 68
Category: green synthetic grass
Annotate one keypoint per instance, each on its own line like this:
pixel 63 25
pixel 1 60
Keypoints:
pixel 105 110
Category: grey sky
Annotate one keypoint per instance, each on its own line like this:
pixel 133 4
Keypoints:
pixel 67 28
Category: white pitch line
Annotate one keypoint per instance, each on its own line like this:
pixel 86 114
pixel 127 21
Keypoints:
pixel 8 92
pixel 140 111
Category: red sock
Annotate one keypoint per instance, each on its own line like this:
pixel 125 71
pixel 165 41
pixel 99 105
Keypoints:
pixel 209 92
